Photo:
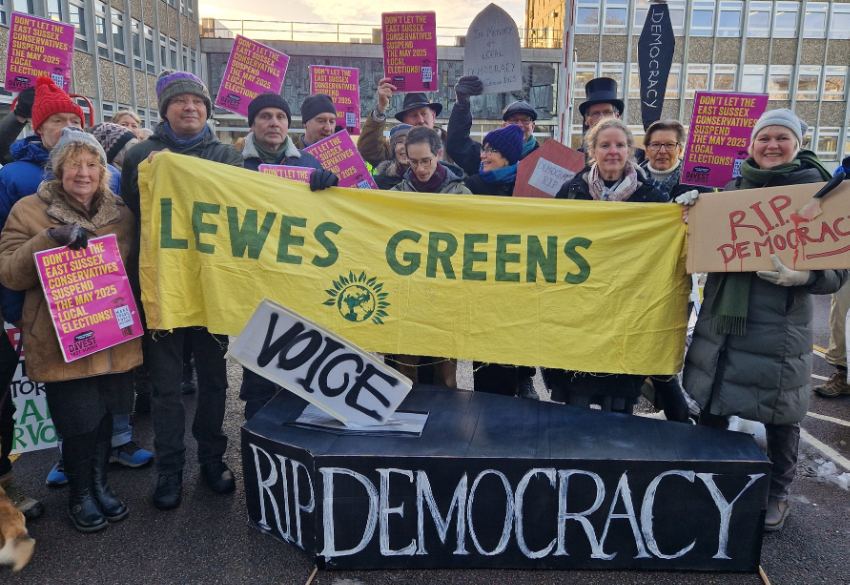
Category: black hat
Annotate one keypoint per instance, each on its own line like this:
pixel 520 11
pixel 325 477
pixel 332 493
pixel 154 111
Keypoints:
pixel 316 104
pixel 417 100
pixel 265 100
pixel 602 90
pixel 519 107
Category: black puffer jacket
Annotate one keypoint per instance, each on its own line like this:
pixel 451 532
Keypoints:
pixel 647 192
pixel 479 187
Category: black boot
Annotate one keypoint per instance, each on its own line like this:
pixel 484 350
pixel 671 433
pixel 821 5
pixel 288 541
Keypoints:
pixel 82 507
pixel 113 509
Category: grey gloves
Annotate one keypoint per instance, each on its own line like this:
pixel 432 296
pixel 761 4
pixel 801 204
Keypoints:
pixel 784 276
pixel 71 235
pixel 322 179
pixel 467 86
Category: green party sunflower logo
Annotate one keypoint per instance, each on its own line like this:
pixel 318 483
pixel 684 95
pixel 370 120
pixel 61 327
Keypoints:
pixel 358 299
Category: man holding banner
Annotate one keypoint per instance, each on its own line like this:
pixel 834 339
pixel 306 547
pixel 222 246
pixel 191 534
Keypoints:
pixel 185 107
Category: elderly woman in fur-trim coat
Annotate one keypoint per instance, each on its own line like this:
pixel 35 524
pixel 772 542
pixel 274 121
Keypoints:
pixel 84 394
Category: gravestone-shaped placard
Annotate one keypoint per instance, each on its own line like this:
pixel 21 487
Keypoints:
pixel 493 51
pixel 655 56
pixel 543 172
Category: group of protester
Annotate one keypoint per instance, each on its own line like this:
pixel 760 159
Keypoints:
pixel 750 356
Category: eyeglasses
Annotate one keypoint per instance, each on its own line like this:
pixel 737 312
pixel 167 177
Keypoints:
pixel 605 114
pixel 489 150
pixel 425 162
pixel 183 102
pixel 520 121
pixel 668 146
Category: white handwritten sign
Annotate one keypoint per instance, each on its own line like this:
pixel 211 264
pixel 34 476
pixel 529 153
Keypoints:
pixel 549 177
pixel 493 51
pixel 319 366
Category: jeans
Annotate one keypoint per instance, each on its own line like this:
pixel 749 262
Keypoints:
pixel 167 411
pixel 122 432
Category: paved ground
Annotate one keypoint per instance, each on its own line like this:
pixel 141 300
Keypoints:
pixel 207 540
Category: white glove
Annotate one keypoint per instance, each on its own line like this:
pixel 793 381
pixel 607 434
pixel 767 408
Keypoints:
pixel 784 276
pixel 688 197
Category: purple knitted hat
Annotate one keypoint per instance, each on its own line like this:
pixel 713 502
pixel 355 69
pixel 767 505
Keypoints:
pixel 172 83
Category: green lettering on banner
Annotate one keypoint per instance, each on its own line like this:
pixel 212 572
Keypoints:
pixel 572 254
pixel 444 256
pixel 547 262
pixel 166 240
pixel 199 210
pixel 333 252
pixel 470 256
pixel 503 257
pixel 288 239
pixel 247 236
pixel 412 259
pixel 30 410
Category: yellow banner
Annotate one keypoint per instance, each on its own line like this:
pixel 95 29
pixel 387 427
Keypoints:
pixel 598 287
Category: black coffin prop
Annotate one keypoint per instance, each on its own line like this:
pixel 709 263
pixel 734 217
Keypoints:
pixel 496 481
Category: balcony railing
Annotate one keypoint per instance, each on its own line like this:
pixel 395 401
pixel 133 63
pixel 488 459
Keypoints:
pixel 368 34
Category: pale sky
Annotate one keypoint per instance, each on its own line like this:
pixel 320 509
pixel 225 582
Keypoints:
pixel 450 13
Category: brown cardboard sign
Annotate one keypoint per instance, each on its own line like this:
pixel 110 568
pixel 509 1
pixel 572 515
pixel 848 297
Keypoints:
pixel 737 231
pixel 543 172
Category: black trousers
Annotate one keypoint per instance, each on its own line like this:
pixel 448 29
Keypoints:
pixel 8 365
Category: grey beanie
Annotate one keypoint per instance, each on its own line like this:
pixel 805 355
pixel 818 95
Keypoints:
pixel 172 83
pixel 72 135
pixel 781 117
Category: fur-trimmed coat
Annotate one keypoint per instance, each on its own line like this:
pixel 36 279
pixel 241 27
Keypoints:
pixel 388 174
pixel 26 233
pixel 291 156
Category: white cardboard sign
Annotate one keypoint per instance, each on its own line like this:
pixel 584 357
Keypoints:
pixel 319 366
pixel 549 177
pixel 493 52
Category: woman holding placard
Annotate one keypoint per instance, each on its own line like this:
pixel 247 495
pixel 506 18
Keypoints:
pixel 82 394
pixel 751 354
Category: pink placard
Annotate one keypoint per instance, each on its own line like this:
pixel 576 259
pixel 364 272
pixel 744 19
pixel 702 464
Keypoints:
pixel 252 69
pixel 410 50
pixel 343 85
pixel 287 172
pixel 719 136
pixel 38 47
pixel 89 296
pixel 338 154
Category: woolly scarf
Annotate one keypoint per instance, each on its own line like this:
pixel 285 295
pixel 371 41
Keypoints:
pixel 528 146
pixel 627 186
pixel 185 143
pixel 733 293
pixel 432 184
pixel 668 179
pixel 503 175
pixel 269 157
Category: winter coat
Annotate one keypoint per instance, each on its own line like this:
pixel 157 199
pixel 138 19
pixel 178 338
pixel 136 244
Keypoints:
pixel 388 174
pixel 680 187
pixel 648 192
pixel 291 156
pixel 765 374
pixel 480 187
pixel 26 233
pixel 375 149
pixel 10 129
pixel 845 166
pixel 17 180
pixel 465 152
pixel 452 184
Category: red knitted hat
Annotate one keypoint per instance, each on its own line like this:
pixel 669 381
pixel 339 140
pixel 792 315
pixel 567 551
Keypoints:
pixel 51 99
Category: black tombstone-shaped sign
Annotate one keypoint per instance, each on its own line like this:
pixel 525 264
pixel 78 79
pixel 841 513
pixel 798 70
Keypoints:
pixel 497 482
pixel 655 55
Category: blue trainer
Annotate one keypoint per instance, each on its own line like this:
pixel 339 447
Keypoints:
pixel 57 477
pixel 130 455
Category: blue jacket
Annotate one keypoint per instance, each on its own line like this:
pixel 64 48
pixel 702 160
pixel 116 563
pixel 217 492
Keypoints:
pixel 845 166
pixel 17 180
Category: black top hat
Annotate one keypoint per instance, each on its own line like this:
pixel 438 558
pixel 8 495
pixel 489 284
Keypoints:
pixel 602 90
pixel 417 100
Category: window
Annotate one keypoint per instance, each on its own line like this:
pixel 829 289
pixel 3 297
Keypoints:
pixel 149 59
pixel 194 59
pixel 576 137
pixel 638 133
pixel 779 81
pixel 136 28
pixel 173 45
pixel 808 82
pixel 827 143
pixel 3 13
pixel 54 10
pixel 584 73
pixel 100 29
pixel 190 4
pixel 759 22
pixel 785 20
pixel 753 79
pixel 729 19
pixel 616 17
pixel 834 82
pixel 814 24
pixel 587 17
pixel 23 6
pixel 163 51
pixel 78 18
pixel 672 92
pixel 118 37
pixel 724 77
pixel 634 81
pixel 702 19
pixel 615 72
pixel 697 79
pixel 839 24
pixel 107 110
pixel 677 16
pixel 641 9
